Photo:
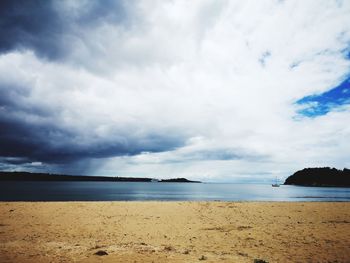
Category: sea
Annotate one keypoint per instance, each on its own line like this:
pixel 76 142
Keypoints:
pixel 147 191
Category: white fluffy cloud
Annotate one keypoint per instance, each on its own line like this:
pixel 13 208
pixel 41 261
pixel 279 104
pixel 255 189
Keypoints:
pixel 201 89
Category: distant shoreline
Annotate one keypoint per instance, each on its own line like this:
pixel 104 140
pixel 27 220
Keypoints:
pixel 28 176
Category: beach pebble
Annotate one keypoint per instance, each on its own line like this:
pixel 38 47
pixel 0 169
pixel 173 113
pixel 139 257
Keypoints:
pixel 260 261
pixel 101 253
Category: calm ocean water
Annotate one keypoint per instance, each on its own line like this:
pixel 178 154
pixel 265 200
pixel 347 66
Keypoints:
pixel 130 191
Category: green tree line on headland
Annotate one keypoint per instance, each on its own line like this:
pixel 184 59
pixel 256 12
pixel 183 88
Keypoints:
pixel 323 176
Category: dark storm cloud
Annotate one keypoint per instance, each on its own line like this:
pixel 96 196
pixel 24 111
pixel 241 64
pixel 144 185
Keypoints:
pixel 28 141
pixel 32 131
pixel 44 27
pixel 31 24
pixel 46 142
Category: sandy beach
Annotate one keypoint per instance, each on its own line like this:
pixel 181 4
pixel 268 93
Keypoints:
pixel 174 232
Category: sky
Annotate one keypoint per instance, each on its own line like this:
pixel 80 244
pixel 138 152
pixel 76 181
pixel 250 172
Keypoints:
pixel 211 90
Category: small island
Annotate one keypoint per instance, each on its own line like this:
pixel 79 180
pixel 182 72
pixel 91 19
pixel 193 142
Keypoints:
pixel 324 177
pixel 178 180
pixel 28 176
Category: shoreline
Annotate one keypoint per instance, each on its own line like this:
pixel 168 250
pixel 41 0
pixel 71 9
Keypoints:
pixel 172 231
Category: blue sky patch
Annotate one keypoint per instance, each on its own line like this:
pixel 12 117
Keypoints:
pixel 264 57
pixel 321 104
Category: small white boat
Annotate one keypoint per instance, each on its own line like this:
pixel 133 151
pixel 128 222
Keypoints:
pixel 276 184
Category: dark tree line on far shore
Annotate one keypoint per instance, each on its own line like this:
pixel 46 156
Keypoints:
pixel 27 176
pixel 324 176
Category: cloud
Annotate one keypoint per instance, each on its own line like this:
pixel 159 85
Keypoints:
pixel 264 57
pixel 32 24
pixel 49 27
pixel 203 89
pixel 54 124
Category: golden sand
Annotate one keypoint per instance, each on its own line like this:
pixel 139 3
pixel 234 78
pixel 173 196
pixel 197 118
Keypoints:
pixel 174 231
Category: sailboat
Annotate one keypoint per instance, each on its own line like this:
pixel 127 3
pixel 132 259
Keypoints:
pixel 276 184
